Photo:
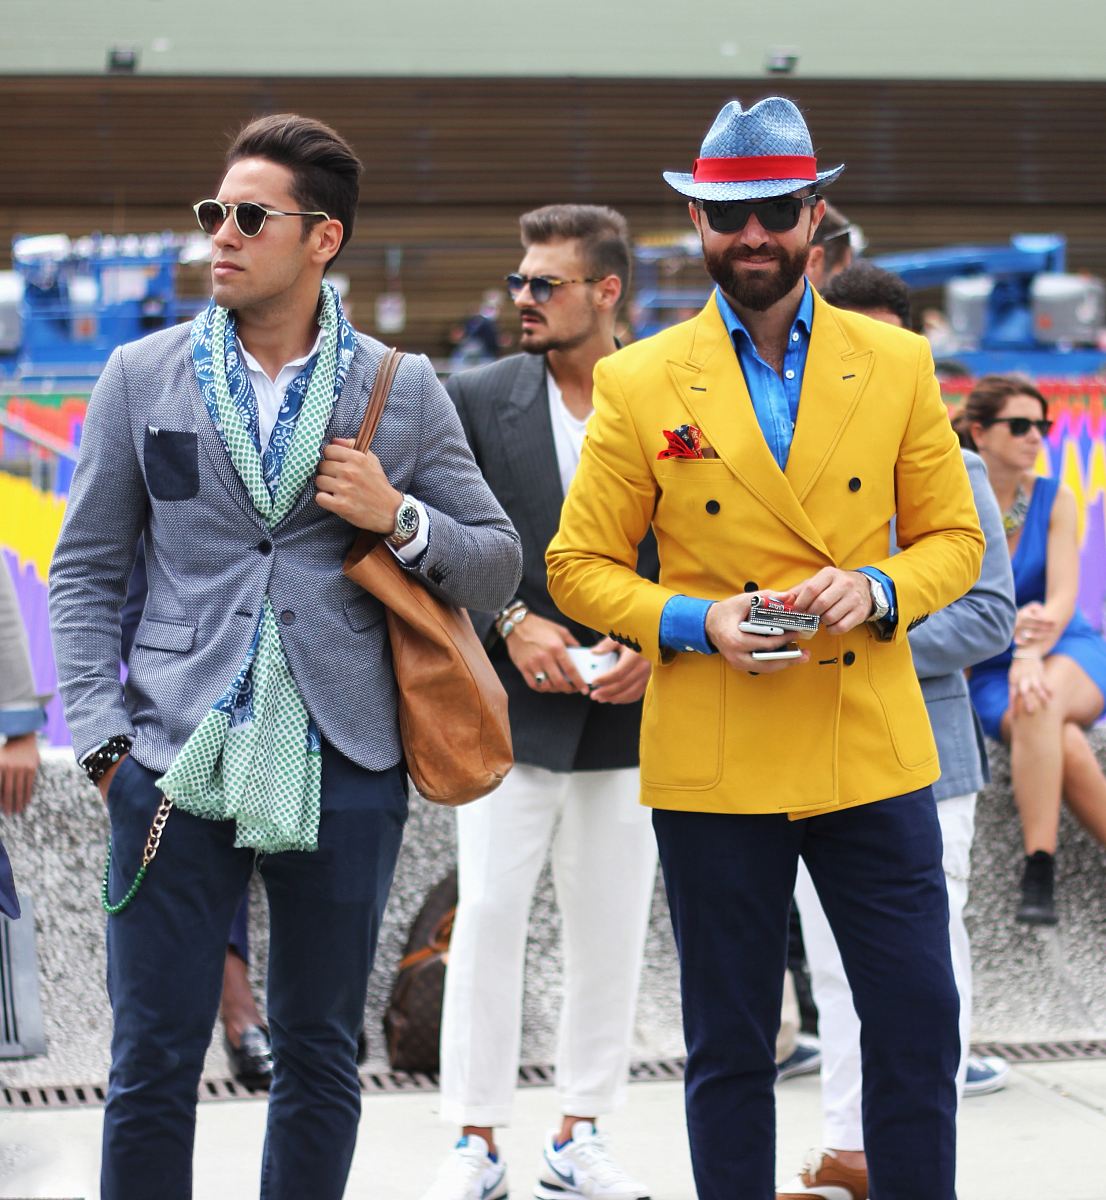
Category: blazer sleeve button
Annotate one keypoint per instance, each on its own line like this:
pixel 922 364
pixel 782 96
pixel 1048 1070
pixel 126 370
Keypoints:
pixel 854 484
pixel 713 507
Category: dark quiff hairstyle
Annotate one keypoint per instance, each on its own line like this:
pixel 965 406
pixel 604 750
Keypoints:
pixel 988 398
pixel 864 287
pixel 603 234
pixel 325 170
pixel 832 235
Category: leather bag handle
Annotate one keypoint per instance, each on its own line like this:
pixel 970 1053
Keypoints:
pixel 382 385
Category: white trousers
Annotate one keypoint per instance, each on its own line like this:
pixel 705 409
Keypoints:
pixel 838 1024
pixel 604 862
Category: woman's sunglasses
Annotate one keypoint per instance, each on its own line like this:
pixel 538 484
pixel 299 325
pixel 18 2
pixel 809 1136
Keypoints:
pixel 541 286
pixel 1020 426
pixel 248 216
pixel 777 215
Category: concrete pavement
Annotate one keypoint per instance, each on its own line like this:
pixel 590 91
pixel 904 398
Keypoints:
pixel 1040 1139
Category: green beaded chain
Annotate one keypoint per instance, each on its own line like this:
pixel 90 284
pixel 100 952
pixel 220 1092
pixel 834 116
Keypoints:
pixel 153 842
pixel 132 891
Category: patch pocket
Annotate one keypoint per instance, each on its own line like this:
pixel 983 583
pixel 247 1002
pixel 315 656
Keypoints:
pixel 171 461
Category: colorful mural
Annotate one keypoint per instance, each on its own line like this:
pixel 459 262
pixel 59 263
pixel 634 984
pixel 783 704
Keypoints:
pixel 30 517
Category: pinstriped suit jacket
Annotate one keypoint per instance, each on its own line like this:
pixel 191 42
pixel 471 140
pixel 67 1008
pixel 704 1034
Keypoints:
pixel 505 412
pixel 153 466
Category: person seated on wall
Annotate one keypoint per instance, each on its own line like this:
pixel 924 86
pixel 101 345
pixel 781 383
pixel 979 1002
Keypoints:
pixel 1044 691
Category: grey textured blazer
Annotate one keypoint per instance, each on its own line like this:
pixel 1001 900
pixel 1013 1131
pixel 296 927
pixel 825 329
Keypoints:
pixel 152 465
pixel 504 409
pixel 971 629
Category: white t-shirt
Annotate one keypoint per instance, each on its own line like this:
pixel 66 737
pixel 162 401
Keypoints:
pixel 568 432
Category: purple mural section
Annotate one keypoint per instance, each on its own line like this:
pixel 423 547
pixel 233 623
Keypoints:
pixel 31 592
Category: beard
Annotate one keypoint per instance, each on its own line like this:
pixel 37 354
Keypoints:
pixel 539 339
pixel 758 290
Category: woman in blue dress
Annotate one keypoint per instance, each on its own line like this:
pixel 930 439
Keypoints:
pixel 1049 686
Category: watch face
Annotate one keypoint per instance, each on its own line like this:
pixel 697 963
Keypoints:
pixel 407 519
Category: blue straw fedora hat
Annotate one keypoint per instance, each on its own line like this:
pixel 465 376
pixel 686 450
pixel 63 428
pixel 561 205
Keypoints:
pixel 752 155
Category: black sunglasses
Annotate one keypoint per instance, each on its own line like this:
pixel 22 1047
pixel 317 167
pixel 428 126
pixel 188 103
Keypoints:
pixel 1020 426
pixel 248 216
pixel 541 286
pixel 778 214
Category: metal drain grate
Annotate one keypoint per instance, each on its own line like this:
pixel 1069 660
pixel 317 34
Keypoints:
pixel 664 1070
pixel 1043 1052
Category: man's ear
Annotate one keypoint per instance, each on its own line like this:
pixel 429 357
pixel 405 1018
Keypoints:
pixel 328 235
pixel 696 214
pixel 610 291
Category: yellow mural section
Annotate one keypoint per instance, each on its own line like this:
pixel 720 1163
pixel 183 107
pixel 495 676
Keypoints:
pixel 30 521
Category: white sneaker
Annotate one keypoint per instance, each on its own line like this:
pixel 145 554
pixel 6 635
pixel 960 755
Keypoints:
pixel 469 1173
pixel 583 1168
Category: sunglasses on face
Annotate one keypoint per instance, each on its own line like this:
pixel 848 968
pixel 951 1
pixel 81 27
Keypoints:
pixel 778 215
pixel 541 286
pixel 1020 426
pixel 248 216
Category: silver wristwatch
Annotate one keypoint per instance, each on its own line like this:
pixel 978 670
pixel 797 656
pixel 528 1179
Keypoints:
pixel 881 603
pixel 407 523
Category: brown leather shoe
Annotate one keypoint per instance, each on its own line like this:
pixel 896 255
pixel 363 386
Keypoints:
pixel 825 1176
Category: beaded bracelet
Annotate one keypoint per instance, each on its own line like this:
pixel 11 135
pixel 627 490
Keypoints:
pixel 98 762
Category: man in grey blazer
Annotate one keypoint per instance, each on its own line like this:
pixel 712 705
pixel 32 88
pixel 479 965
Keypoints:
pixel 258 724
pixel 969 630
pixel 574 790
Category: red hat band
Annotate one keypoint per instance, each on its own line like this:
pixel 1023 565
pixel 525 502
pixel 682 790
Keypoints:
pixel 757 168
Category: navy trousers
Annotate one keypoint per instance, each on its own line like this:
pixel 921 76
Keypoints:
pixel 878 872
pixel 165 971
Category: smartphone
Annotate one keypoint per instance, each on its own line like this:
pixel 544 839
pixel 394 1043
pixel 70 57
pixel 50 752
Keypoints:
pixel 760 627
pixel 772 655
pixel 589 665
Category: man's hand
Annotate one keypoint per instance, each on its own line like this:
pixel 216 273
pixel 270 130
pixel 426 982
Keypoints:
pixel 843 599
pixel 626 681
pixel 108 776
pixel 353 486
pixel 537 648
pixel 736 647
pixel 18 767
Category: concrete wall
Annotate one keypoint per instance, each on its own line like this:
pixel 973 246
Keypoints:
pixel 1031 984
pixel 851 39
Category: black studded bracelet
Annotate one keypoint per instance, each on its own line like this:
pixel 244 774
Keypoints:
pixel 100 761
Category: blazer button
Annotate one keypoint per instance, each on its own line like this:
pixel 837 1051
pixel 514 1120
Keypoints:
pixel 265 546
pixel 848 658
pixel 751 586
pixel 713 506
pixel 287 617
pixel 854 484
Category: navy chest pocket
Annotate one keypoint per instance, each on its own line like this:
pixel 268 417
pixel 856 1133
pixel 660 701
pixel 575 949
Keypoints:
pixel 172 469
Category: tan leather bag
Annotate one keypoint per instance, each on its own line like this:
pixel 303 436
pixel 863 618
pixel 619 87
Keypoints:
pixel 452 707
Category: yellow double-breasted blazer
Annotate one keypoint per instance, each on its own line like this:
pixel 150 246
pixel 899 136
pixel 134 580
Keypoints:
pixel 872 442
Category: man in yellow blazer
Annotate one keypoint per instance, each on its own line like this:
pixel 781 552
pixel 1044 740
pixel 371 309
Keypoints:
pixel 769 442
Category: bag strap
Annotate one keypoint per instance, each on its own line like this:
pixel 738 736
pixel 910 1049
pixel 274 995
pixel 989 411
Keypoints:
pixel 382 385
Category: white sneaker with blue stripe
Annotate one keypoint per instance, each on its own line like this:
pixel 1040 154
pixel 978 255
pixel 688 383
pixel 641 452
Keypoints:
pixel 986 1073
pixel 582 1169
pixel 469 1173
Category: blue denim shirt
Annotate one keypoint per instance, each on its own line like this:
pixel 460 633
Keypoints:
pixel 776 405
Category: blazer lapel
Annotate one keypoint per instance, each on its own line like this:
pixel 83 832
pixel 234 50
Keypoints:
pixel 217 452
pixel 712 387
pixel 834 379
pixel 529 448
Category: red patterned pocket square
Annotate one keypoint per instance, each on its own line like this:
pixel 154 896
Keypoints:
pixel 683 442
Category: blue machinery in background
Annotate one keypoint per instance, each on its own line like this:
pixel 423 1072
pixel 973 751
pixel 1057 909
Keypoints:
pixel 68 303
pixel 1009 307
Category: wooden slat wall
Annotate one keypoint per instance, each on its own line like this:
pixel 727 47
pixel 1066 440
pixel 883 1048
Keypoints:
pixel 450 163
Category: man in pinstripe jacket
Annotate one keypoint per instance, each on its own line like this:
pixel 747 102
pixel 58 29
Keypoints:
pixel 250 630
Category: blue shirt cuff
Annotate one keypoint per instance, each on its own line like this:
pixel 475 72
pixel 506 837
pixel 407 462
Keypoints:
pixel 892 618
pixel 15 722
pixel 684 625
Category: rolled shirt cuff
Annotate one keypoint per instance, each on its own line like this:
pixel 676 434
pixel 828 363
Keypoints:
pixel 684 625
pixel 16 722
